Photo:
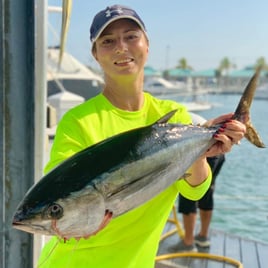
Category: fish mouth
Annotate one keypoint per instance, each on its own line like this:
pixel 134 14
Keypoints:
pixel 20 226
pixel 19 220
pixel 28 227
pixel 23 223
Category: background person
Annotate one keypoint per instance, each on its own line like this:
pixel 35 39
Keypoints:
pixel 188 208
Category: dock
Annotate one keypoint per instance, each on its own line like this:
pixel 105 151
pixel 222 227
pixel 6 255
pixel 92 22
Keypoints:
pixel 249 253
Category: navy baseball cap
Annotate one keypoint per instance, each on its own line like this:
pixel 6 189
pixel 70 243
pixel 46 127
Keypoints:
pixel 110 14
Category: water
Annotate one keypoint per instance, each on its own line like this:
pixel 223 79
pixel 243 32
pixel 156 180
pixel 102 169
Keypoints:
pixel 241 195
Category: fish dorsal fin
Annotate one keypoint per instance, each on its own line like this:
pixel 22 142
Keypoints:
pixel 242 112
pixel 248 95
pixel 166 117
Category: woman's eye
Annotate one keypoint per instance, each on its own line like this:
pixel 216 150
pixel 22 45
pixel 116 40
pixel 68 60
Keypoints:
pixel 107 42
pixel 133 36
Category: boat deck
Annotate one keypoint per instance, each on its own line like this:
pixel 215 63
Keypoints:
pixel 251 254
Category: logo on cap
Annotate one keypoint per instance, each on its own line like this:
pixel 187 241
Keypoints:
pixel 109 12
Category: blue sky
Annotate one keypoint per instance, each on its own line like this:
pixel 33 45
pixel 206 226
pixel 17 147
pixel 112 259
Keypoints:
pixel 203 32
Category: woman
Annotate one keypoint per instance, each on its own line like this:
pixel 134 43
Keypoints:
pixel 120 45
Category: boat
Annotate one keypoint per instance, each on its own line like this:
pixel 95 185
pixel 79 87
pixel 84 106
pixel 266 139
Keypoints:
pixel 197 106
pixel 158 86
pixel 185 93
pixel 69 84
pixel 193 103
pixel 71 75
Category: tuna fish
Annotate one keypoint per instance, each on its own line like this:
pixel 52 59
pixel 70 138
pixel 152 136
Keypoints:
pixel 81 195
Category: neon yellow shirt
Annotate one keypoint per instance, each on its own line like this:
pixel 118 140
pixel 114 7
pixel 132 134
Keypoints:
pixel 130 240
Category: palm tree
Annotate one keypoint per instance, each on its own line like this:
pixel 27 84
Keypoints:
pixel 262 63
pixel 183 64
pixel 225 64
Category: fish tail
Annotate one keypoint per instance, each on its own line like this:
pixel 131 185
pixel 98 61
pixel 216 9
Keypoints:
pixel 253 136
pixel 242 112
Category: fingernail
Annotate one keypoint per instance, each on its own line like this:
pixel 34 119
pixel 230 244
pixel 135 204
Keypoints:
pixel 221 129
pixel 215 135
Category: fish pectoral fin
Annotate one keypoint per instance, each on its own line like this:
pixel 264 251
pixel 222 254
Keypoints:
pixel 141 181
pixel 166 117
pixel 253 136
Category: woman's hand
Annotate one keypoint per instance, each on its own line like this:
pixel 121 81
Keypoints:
pixel 230 133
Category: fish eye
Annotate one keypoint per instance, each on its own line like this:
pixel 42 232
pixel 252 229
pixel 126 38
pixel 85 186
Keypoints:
pixel 54 211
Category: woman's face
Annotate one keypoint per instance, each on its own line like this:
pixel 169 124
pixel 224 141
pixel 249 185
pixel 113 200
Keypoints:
pixel 122 49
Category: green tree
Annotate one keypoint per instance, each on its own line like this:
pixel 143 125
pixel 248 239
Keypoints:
pixel 183 64
pixel 225 64
pixel 262 63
